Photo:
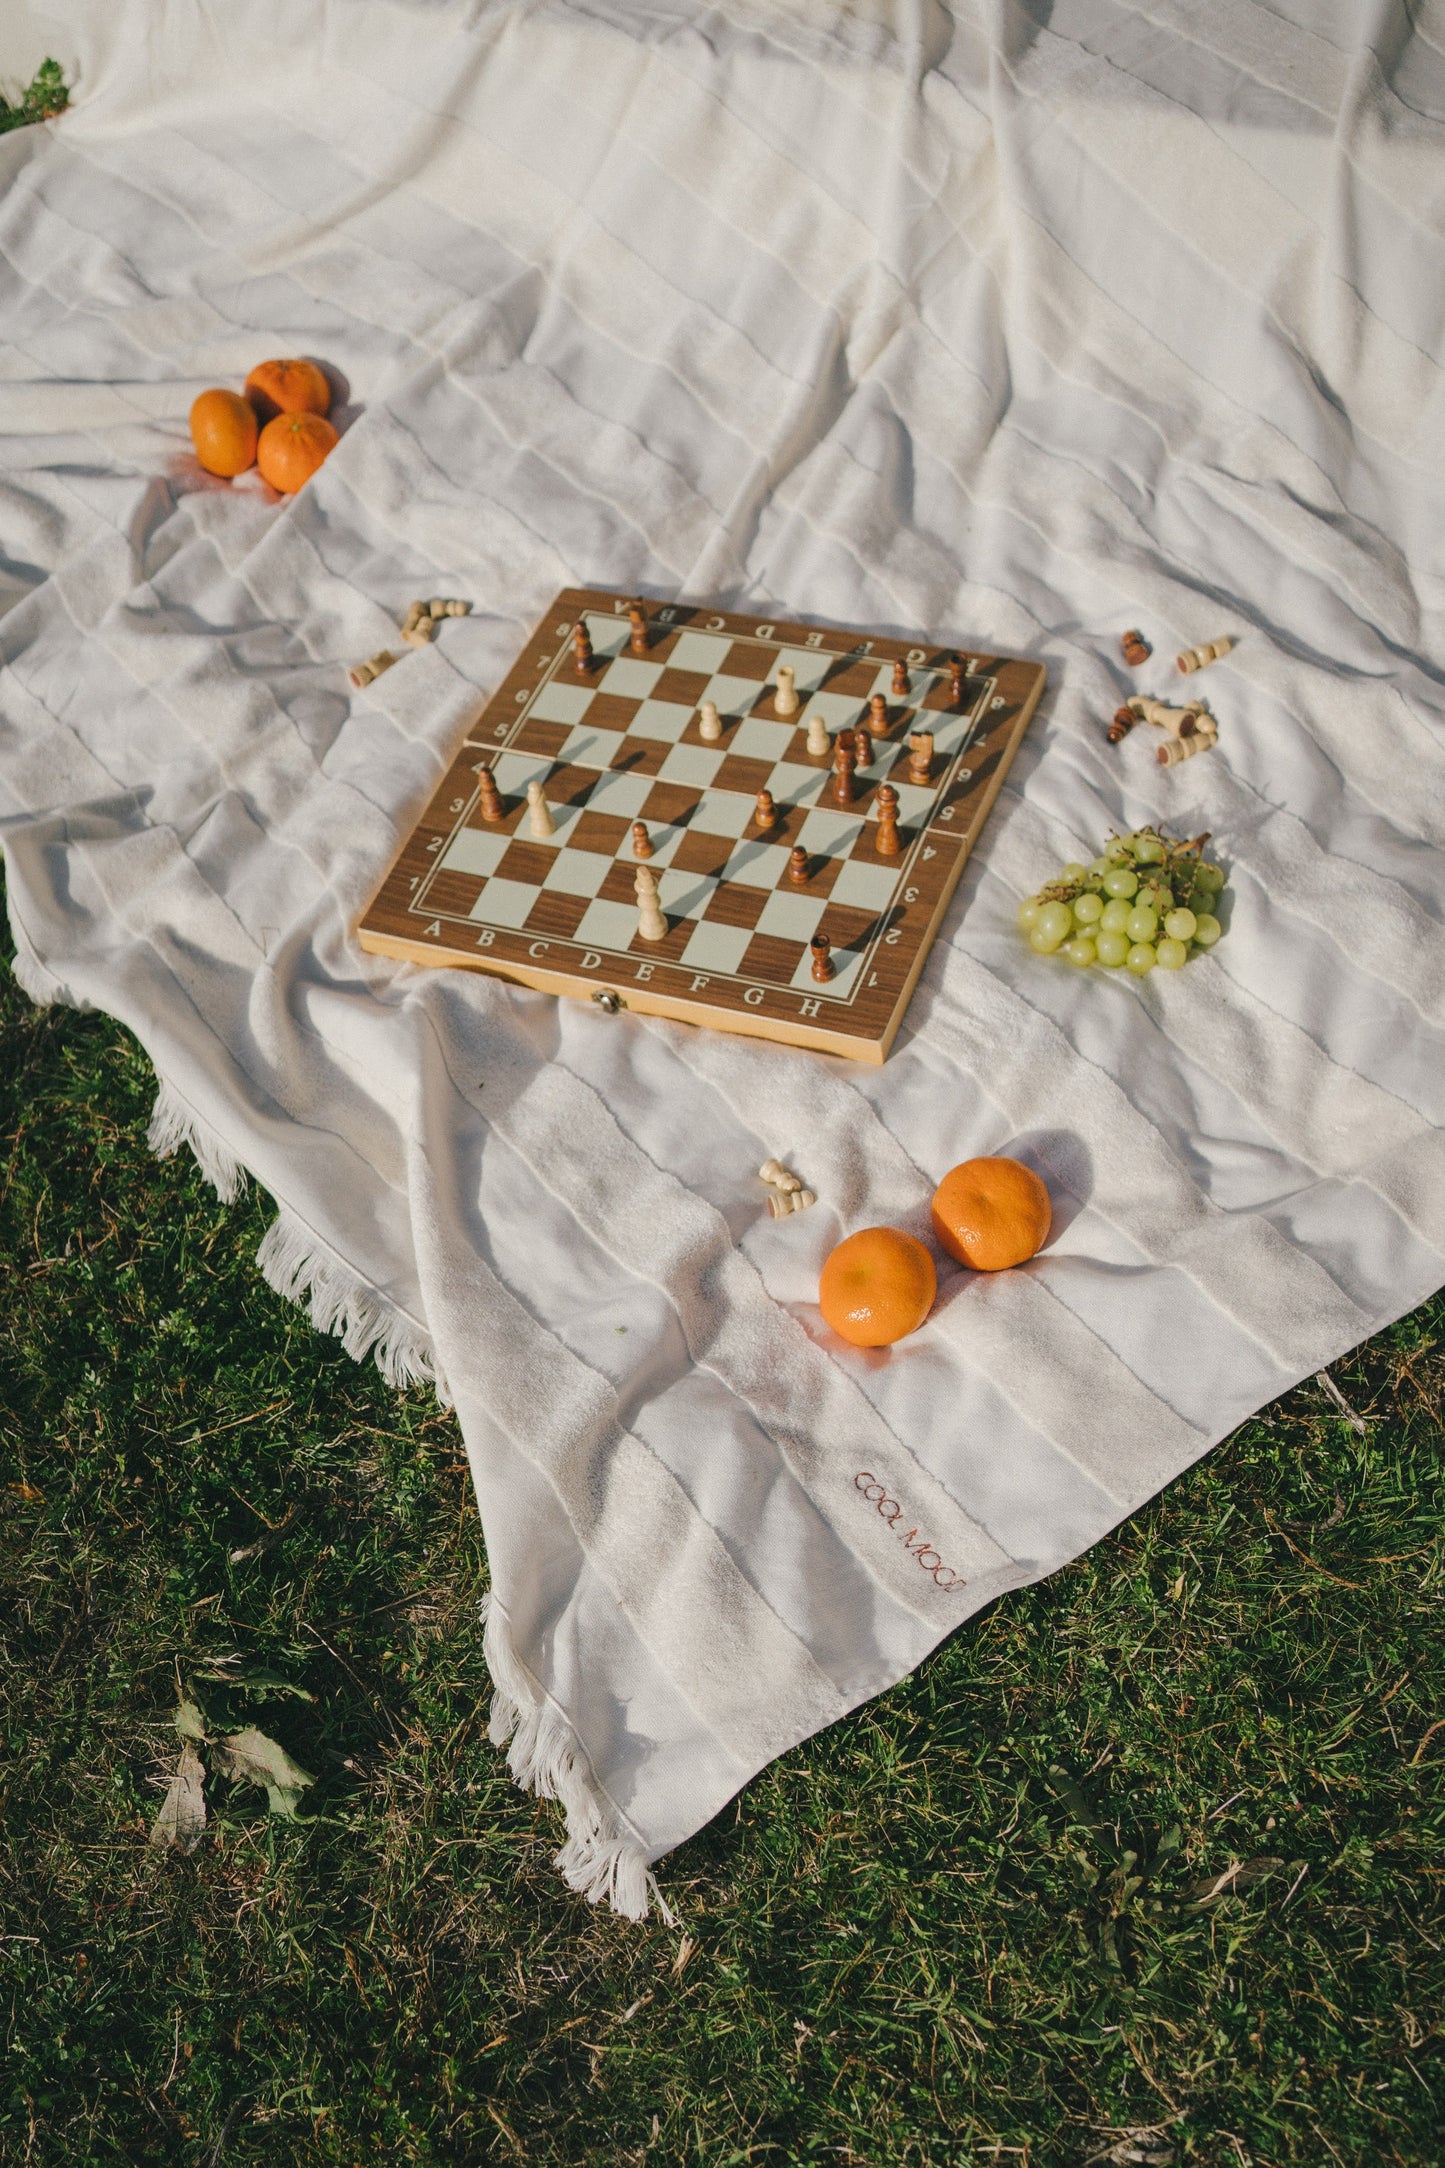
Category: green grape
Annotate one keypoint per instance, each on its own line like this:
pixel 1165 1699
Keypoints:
pixel 1087 908
pixel 1210 878
pixel 1141 958
pixel 1074 872
pixel 1054 924
pixel 1028 913
pixel 1080 951
pixel 1171 955
pixel 1121 882
pixel 1207 930
pixel 1160 899
pixel 1113 949
pixel 1148 851
pixel 1143 923
pixel 1116 851
pixel 1117 914
pixel 1098 865
pixel 1180 925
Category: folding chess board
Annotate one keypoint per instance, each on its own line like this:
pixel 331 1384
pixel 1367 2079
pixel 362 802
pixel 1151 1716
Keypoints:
pixel 620 743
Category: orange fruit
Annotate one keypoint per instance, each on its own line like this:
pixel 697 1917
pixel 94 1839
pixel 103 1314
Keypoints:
pixel 876 1286
pixel 991 1213
pixel 223 430
pixel 292 447
pixel 288 387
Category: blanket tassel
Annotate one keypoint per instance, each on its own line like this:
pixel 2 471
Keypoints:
pixel 298 1266
pixel 543 1758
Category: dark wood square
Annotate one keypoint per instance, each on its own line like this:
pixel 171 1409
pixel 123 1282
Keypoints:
pixel 700 852
pixel 640 756
pixel 556 914
pixel 451 895
pixel 685 687
pixel 525 860
pixel 600 832
pixel 674 803
pixel 772 959
pixel 547 739
pixel 733 903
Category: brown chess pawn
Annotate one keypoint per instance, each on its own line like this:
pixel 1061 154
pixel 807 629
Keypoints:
pixel 886 842
pixel 637 618
pixel 491 806
pixel 900 681
pixel 920 756
pixel 641 840
pixel 862 747
pixel 844 762
pixel 767 813
pixel 955 680
pixel 798 868
pixel 822 960
pixel 1136 649
pixel 878 715
pixel 582 652
pixel 1123 723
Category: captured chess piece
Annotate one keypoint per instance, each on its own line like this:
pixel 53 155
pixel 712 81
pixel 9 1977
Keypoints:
pixel 821 947
pixel 767 814
pixel 878 715
pixel 582 651
pixel 709 722
pixel 637 618
pixel 862 747
pixel 539 813
pixel 489 797
pixel 886 842
pixel 819 744
pixel 1123 723
pixel 1136 649
pixel 844 761
pixel 920 756
pixel 1199 658
pixel 798 868
pixel 641 840
pixel 900 681
pixel 651 924
pixel 785 699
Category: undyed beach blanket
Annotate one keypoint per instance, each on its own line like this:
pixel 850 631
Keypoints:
pixel 1015 326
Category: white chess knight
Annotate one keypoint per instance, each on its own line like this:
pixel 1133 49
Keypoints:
pixel 785 699
pixel 651 924
pixel 539 816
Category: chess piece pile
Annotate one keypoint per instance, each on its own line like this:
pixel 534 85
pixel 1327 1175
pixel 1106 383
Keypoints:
pixel 362 673
pixel 419 626
pixel 788 1193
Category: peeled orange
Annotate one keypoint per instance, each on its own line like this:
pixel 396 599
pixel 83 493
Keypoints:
pixel 288 387
pixel 876 1286
pixel 292 447
pixel 223 430
pixel 991 1213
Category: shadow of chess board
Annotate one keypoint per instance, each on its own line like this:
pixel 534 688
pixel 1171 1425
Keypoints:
pixel 621 743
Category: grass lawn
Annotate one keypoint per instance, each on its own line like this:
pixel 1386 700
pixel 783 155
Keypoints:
pixel 971 1924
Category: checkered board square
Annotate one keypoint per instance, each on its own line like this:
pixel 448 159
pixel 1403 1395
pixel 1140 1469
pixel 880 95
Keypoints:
pixel 611 730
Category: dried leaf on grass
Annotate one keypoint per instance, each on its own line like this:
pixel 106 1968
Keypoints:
pixel 182 1815
pixel 253 1757
pixel 1241 1875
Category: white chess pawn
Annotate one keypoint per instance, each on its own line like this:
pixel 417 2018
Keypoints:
pixel 651 924
pixel 709 722
pixel 820 745
pixel 539 816
pixel 785 699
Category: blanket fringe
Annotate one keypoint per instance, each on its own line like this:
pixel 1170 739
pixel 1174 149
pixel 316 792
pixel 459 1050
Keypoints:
pixel 31 976
pixel 544 1758
pixel 294 1262
pixel 173 1123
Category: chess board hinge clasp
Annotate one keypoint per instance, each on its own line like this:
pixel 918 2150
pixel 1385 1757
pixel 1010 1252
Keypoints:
pixel 607 999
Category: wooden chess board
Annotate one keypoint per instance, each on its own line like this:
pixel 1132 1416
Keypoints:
pixel 620 743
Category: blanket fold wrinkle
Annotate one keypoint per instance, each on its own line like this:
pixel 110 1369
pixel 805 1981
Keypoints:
pixel 1001 326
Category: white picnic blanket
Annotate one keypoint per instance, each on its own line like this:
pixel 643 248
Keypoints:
pixel 1017 326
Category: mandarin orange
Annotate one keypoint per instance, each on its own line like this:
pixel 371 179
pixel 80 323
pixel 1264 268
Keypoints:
pixel 292 447
pixel 991 1213
pixel 288 387
pixel 223 430
pixel 877 1286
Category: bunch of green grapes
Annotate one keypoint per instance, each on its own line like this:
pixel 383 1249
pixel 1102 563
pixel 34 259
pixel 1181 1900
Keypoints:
pixel 1148 899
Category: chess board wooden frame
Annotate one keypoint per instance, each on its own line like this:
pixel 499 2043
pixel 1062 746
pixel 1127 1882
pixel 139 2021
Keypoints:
pixel 622 743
